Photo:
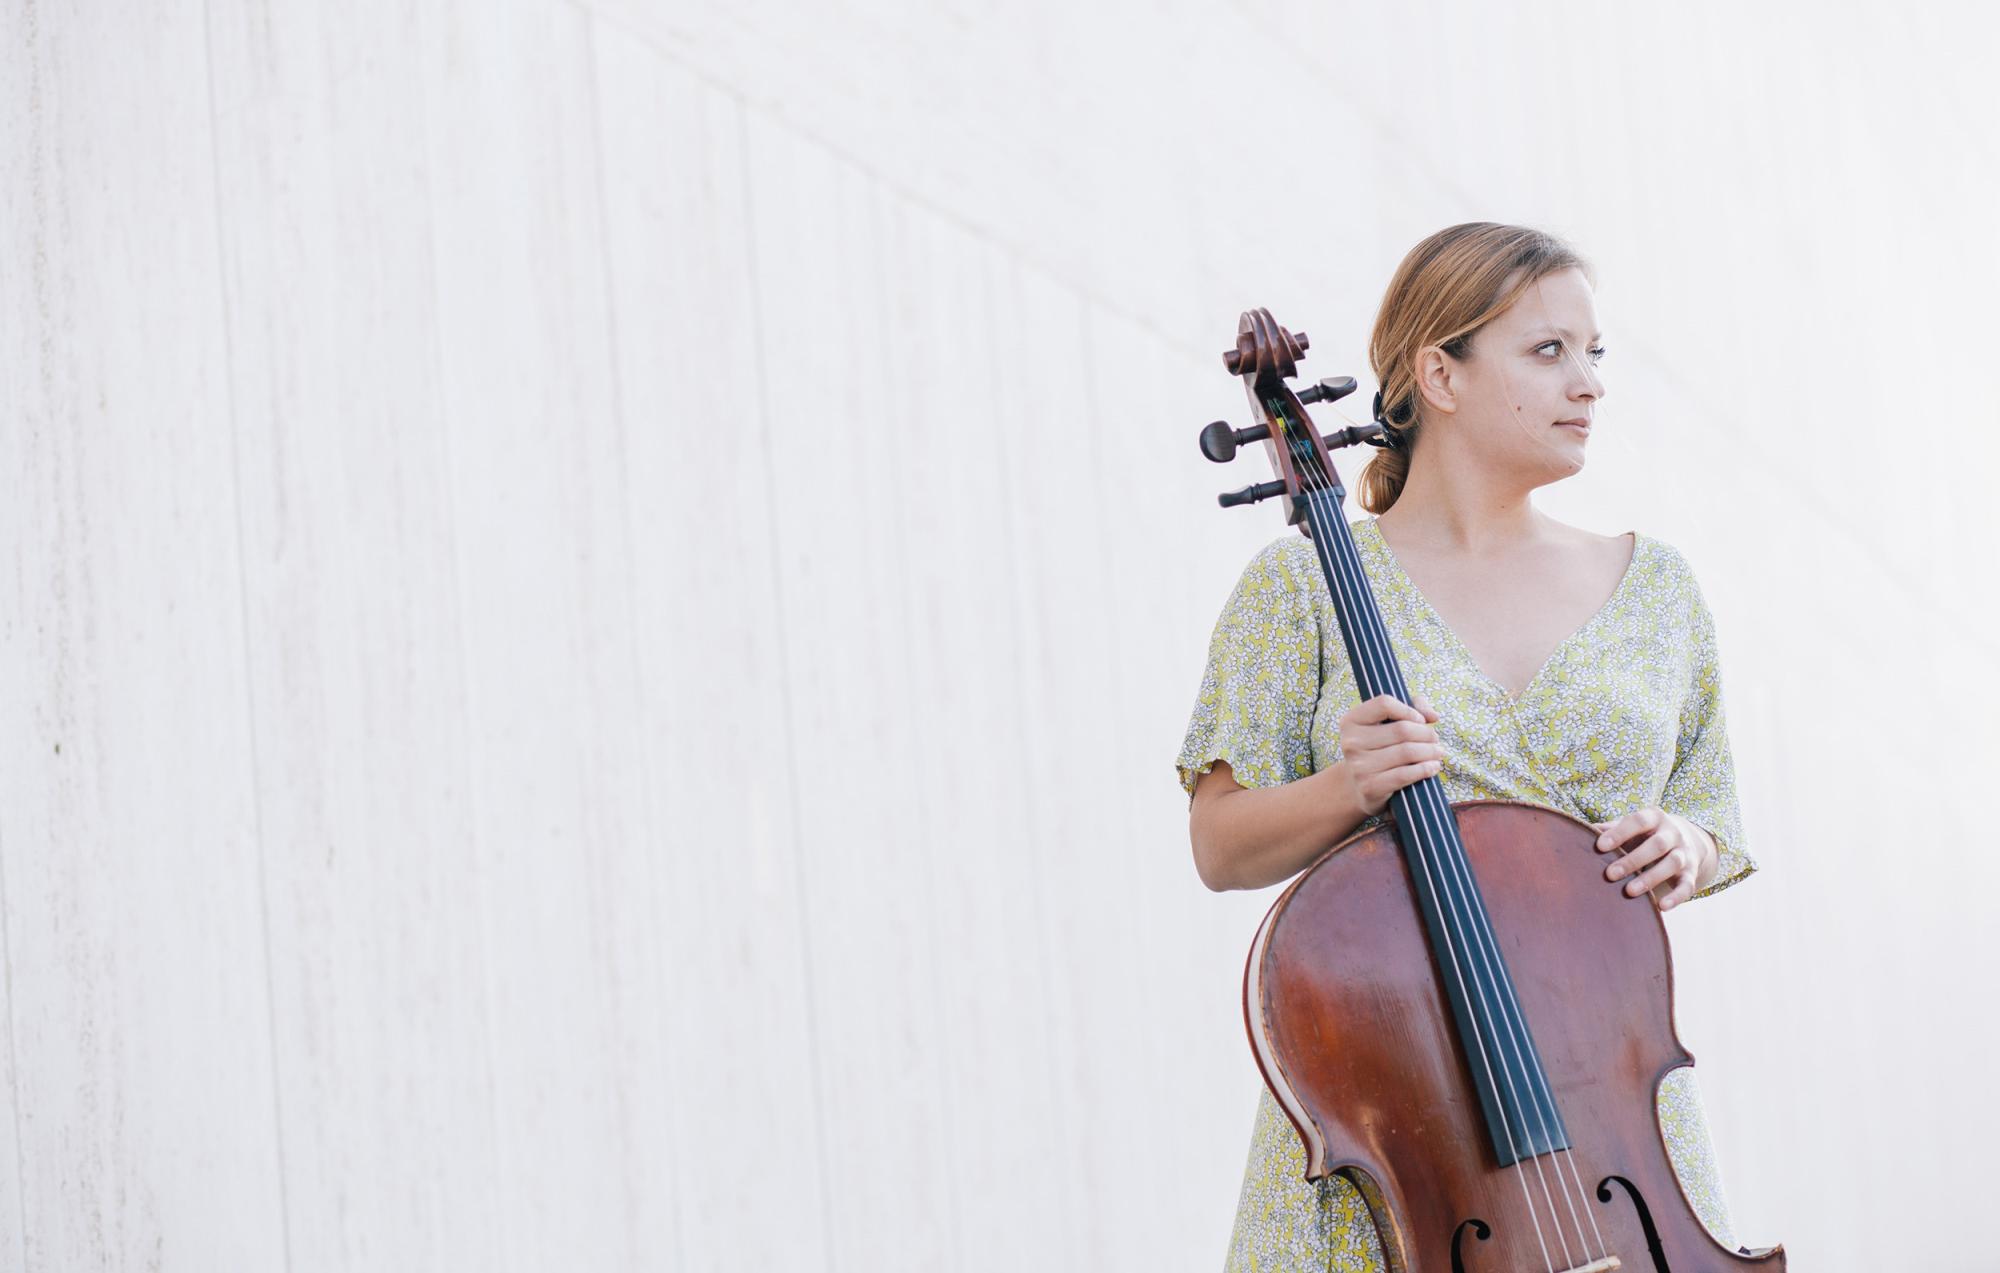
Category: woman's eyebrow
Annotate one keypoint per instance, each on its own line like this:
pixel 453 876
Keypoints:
pixel 1562 332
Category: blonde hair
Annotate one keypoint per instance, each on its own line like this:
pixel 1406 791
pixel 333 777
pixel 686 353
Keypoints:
pixel 1446 289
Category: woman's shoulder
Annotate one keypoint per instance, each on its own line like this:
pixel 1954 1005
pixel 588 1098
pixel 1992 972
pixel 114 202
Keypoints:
pixel 1656 565
pixel 1281 580
pixel 1663 565
pixel 1286 561
pixel 1294 554
pixel 1664 590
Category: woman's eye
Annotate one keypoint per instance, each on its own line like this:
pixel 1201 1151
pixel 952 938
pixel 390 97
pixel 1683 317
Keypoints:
pixel 1597 352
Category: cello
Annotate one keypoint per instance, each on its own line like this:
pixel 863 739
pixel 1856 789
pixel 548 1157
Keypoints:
pixel 1451 1007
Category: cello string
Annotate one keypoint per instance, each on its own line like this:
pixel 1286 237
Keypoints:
pixel 1590 377
pixel 1423 829
pixel 1427 803
pixel 1427 856
pixel 1433 808
pixel 1479 1042
pixel 1432 797
pixel 1537 1073
pixel 1375 657
pixel 1590 374
pixel 1429 800
pixel 1430 804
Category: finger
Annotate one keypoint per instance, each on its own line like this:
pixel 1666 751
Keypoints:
pixel 1682 890
pixel 1642 854
pixel 1391 760
pixel 1409 731
pixel 1635 825
pixel 1398 730
pixel 1408 774
pixel 1629 827
pixel 1414 753
pixel 1387 707
pixel 1360 735
pixel 1423 705
pixel 1671 866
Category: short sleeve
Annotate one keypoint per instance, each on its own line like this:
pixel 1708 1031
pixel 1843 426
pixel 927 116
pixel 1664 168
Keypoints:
pixel 1255 705
pixel 1702 787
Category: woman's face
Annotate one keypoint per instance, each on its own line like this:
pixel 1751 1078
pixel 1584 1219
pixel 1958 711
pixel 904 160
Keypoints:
pixel 1529 372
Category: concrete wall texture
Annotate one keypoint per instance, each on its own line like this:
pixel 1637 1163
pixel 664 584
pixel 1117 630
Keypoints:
pixel 600 597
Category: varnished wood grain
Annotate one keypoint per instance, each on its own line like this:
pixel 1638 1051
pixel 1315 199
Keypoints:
pixel 1353 1005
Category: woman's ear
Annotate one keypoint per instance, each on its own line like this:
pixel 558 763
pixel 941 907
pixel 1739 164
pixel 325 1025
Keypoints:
pixel 1437 379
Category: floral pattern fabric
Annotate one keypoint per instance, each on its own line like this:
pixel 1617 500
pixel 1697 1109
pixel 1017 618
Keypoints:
pixel 1626 712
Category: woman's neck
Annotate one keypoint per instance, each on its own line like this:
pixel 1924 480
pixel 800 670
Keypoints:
pixel 1461 508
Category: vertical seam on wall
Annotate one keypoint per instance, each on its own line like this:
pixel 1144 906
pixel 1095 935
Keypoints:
pixel 38 282
pixel 1030 863
pixel 755 303
pixel 243 623
pixel 642 742
pixel 449 493
pixel 908 623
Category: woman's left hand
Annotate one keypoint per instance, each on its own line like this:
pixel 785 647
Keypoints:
pixel 1672 857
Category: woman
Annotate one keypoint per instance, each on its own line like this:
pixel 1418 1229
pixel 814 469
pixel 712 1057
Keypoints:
pixel 1570 669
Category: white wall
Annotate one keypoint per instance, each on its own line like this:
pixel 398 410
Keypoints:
pixel 600 597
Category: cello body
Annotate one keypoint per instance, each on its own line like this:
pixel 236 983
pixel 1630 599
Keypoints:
pixel 1344 1004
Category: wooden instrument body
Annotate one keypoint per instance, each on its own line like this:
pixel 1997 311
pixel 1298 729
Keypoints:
pixel 1346 1013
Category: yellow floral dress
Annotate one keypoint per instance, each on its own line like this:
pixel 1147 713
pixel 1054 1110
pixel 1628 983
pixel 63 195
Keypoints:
pixel 1625 713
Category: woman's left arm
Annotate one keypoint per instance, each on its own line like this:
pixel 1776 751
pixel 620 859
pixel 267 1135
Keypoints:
pixel 1691 843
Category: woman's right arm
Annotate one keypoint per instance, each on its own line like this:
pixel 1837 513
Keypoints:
pixel 1253 837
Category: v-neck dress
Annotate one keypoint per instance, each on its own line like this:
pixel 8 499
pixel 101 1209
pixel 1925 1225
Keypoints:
pixel 1625 713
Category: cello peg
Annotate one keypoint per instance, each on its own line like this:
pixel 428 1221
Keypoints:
pixel 1219 441
pixel 1251 494
pixel 1339 438
pixel 1328 389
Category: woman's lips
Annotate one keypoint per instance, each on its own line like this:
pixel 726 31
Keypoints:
pixel 1581 426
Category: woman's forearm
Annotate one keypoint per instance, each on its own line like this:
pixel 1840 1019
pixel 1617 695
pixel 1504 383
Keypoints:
pixel 1253 837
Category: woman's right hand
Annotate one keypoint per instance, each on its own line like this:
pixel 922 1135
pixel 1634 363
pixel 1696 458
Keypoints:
pixel 1385 745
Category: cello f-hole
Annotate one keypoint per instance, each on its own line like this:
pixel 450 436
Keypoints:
pixel 1480 1229
pixel 1645 1218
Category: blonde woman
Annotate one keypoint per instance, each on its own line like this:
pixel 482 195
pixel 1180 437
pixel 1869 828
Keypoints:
pixel 1547 663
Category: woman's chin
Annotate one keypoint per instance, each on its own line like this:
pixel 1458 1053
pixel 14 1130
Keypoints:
pixel 1567 463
